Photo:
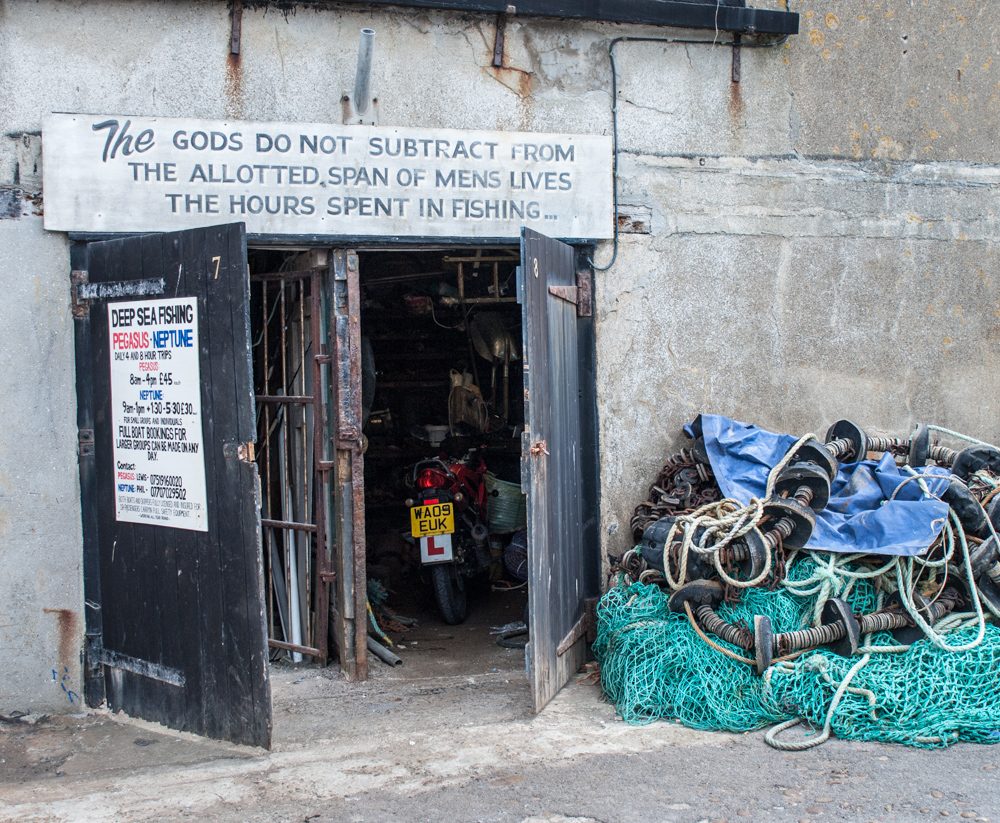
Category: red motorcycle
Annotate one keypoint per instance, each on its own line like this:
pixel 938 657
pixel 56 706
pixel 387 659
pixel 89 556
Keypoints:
pixel 448 520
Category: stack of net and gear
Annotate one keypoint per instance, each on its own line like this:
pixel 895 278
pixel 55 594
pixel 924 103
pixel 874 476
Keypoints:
pixel 851 585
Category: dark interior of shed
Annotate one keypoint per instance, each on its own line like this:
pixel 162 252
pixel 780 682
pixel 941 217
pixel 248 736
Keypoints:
pixel 443 382
pixel 442 388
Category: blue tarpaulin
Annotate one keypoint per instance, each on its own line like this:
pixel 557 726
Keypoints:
pixel 860 517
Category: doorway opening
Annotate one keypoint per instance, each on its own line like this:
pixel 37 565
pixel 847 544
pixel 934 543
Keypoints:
pixel 443 405
pixel 441 416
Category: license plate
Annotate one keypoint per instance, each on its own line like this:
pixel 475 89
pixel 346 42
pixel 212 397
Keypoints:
pixel 430 519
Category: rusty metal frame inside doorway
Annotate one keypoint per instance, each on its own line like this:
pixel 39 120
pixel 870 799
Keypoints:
pixel 309 449
pixel 290 375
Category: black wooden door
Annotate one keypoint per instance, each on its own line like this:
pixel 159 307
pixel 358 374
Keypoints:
pixel 559 465
pixel 175 620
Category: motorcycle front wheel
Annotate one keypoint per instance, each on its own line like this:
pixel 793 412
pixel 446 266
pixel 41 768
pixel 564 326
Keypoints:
pixel 449 591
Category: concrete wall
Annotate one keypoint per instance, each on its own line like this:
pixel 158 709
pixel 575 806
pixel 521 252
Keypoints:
pixel 822 235
pixel 41 607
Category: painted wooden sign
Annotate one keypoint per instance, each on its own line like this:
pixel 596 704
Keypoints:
pixel 110 173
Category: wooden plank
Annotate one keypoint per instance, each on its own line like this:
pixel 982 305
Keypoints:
pixel 121 629
pixel 138 545
pixel 209 581
pixel 253 652
pixel 243 634
pixel 180 624
pixel 348 478
pixel 556 549
pixel 93 671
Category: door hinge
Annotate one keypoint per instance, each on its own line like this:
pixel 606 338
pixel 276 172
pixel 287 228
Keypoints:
pixel 92 653
pixel 244 452
pixel 85 443
pixel 585 627
pixel 579 295
pixel 81 307
pixel 349 436
pixel 84 292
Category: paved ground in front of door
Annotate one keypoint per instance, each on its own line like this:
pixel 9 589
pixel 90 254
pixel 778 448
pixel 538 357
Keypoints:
pixel 466 747
pixel 450 736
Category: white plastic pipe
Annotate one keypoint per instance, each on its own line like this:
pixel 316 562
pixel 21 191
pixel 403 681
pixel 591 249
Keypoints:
pixel 363 75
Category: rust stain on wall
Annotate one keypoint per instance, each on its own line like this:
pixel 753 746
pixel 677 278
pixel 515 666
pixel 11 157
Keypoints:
pixel 735 104
pixel 519 81
pixel 66 626
pixel 234 86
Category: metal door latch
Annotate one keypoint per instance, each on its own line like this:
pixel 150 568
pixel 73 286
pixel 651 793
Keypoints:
pixel 244 452
pixel 539 448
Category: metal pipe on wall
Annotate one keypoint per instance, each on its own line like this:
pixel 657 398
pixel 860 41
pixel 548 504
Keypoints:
pixel 363 75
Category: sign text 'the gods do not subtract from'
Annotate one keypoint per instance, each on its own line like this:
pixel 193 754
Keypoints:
pixel 110 173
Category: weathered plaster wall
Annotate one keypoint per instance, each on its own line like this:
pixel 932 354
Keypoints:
pixel 823 238
pixel 823 235
pixel 41 617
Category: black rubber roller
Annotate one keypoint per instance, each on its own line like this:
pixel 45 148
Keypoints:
pixel 920 446
pixel 753 564
pixel 990 591
pixel 652 543
pixel 812 451
pixel 696 593
pixel 802 520
pixel 984 556
pixel 763 642
pixel 846 430
pixel 993 512
pixel 966 508
pixel 653 538
pixel 837 611
pixel 974 458
pixel 909 635
pixel 793 477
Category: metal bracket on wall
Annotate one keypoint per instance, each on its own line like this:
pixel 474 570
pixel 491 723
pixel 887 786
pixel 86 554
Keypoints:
pixel 500 35
pixel 80 308
pixel 244 452
pixel 236 26
pixel 92 651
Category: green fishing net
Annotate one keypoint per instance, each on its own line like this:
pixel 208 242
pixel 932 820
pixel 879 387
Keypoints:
pixel 655 666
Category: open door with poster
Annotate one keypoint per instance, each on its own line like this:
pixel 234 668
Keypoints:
pixel 172 559
pixel 558 461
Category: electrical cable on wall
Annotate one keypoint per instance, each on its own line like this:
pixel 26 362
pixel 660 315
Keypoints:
pixel 614 110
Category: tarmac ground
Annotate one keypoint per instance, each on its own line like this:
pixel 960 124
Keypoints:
pixel 454 739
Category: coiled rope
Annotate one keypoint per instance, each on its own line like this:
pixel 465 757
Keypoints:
pixel 709 529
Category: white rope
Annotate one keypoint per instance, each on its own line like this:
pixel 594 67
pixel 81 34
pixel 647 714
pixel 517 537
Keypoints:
pixel 723 522
pixel 771 736
pixel 959 436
